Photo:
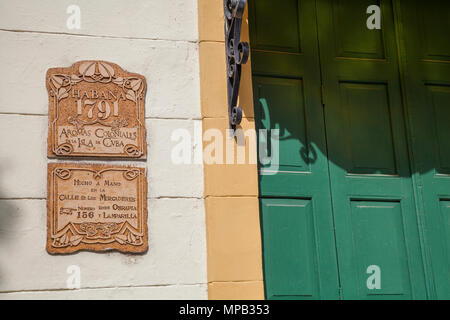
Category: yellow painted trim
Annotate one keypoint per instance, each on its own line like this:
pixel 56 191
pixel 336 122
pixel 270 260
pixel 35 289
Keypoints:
pixel 246 290
pixel 234 254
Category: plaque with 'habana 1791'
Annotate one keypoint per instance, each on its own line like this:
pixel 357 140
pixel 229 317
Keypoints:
pixel 96 109
pixel 96 208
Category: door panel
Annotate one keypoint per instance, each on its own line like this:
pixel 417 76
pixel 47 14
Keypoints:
pixel 290 249
pixel 368 125
pixel 445 215
pixel 290 119
pixel 371 184
pixel 424 27
pixel 379 240
pixel 286 36
pixel 286 86
pixel 438 97
pixel 351 42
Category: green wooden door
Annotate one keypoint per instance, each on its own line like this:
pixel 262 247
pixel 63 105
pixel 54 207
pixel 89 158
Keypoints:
pixel 362 183
pixel 299 250
pixel 372 190
pixel 424 28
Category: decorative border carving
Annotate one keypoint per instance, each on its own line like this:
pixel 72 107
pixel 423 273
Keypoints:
pixel 60 85
pixel 96 236
pixel 237 53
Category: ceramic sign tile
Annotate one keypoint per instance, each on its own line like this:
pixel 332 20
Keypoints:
pixel 96 207
pixel 96 109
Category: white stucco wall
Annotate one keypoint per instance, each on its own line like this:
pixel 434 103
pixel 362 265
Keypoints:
pixel 157 39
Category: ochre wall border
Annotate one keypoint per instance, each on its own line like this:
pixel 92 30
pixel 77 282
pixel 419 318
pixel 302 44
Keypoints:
pixel 234 254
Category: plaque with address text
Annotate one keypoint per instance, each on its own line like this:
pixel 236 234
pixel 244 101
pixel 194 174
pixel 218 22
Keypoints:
pixel 96 208
pixel 96 109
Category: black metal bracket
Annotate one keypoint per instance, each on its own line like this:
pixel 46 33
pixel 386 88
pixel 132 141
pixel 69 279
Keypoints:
pixel 237 53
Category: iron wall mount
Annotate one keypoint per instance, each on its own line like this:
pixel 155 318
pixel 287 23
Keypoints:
pixel 237 53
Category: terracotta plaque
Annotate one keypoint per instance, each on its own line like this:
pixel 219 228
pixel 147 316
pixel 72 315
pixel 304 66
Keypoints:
pixel 96 109
pixel 96 207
